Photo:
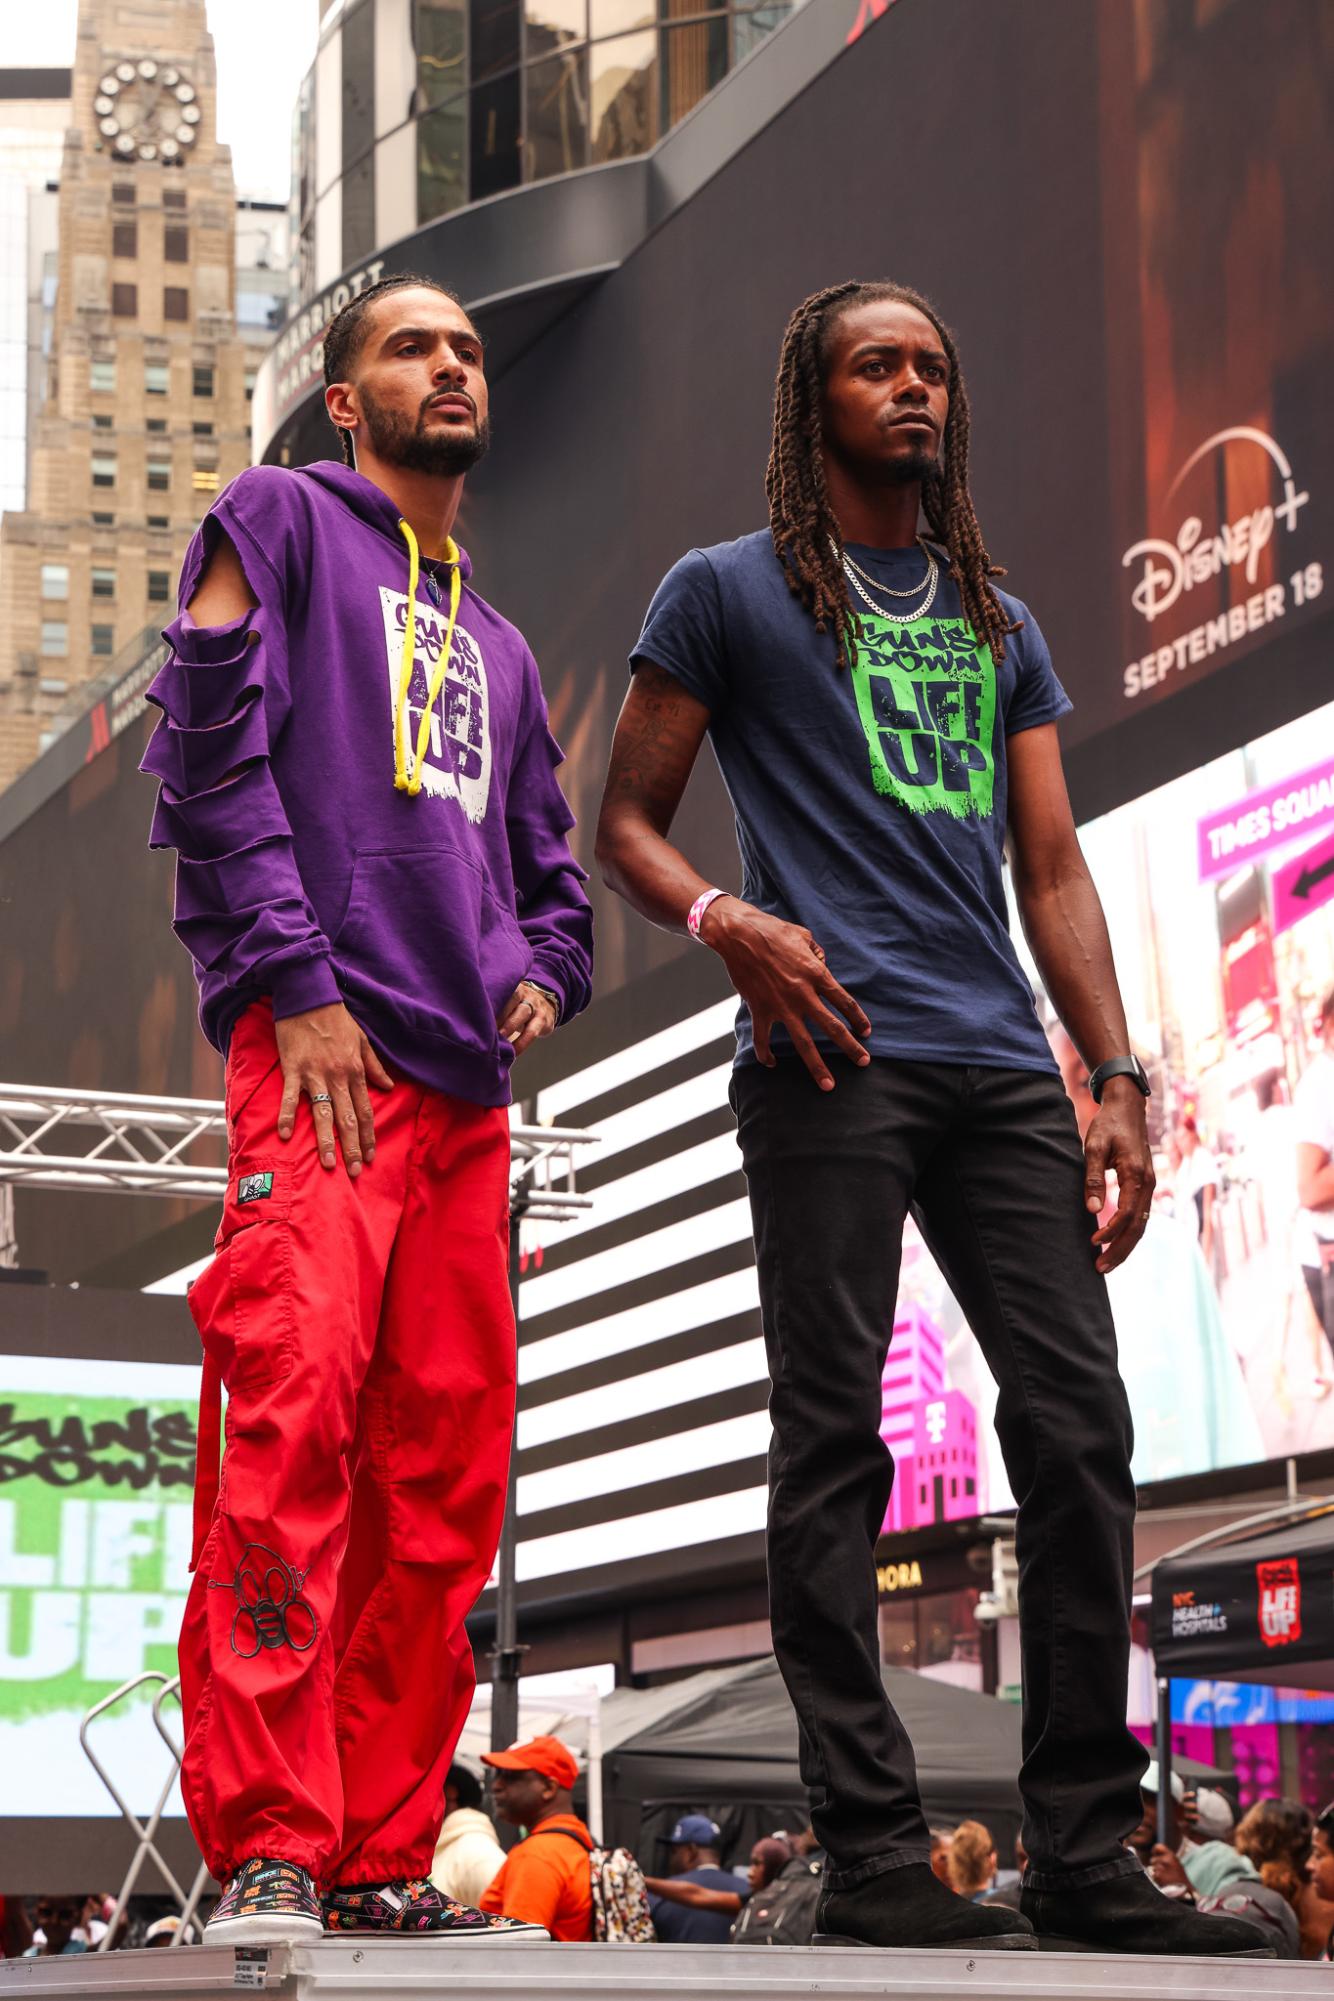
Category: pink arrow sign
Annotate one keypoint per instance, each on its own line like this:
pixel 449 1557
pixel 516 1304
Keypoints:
pixel 1304 885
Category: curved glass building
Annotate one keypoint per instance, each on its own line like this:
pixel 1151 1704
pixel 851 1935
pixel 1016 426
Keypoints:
pixel 415 108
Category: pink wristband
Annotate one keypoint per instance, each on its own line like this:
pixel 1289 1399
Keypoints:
pixel 698 908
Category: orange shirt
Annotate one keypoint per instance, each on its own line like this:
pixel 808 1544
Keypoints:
pixel 546 1880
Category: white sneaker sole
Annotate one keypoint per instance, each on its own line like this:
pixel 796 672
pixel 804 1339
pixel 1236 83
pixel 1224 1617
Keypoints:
pixel 262 1930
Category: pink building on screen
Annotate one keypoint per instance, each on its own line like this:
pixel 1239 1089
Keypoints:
pixel 931 1430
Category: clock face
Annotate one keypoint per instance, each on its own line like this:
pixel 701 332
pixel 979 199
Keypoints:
pixel 147 110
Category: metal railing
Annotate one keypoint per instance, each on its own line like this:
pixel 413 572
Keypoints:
pixel 145 1831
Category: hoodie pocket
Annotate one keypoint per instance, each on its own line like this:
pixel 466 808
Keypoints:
pixel 425 939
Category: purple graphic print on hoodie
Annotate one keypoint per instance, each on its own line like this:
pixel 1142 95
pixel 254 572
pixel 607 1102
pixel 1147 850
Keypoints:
pixel 302 873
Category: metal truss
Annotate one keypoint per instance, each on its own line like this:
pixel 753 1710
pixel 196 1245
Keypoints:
pixel 118 1143
pixel 110 1141
pixel 542 1172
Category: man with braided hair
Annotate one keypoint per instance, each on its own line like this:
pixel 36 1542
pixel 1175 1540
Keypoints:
pixel 376 886
pixel 884 718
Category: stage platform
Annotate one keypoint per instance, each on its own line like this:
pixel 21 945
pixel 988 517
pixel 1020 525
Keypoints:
pixel 383 1970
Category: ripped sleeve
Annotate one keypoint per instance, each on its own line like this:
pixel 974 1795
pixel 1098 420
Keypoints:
pixel 241 911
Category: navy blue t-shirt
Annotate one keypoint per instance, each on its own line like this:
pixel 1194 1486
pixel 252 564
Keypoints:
pixel 682 1924
pixel 870 802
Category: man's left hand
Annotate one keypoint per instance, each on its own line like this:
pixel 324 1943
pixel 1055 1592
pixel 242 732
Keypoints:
pixel 1118 1140
pixel 528 1015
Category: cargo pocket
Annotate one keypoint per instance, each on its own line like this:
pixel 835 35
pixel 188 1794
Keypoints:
pixel 243 1304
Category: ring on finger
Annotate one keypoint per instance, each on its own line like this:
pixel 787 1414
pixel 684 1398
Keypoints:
pixel 320 1098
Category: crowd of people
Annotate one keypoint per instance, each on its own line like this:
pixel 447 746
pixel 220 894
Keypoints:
pixel 50 1927
pixel 1273 1867
pixel 689 1897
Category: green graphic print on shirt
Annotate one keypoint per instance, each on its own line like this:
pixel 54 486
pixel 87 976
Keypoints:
pixel 926 696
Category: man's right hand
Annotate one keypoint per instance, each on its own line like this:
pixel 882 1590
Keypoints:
pixel 325 1055
pixel 780 973
pixel 1166 1869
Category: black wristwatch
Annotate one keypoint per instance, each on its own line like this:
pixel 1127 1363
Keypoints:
pixel 1118 1066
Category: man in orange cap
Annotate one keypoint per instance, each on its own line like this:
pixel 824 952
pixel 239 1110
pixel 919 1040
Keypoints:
pixel 546 1878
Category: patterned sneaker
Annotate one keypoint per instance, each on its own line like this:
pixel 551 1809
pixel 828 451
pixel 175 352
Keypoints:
pixel 267 1903
pixel 412 1907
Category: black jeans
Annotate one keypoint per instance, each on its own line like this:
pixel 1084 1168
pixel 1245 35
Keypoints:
pixel 990 1163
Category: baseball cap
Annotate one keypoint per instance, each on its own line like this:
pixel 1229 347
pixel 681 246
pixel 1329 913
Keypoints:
pixel 696 1827
pixel 547 1755
pixel 1217 1819
pixel 1149 1783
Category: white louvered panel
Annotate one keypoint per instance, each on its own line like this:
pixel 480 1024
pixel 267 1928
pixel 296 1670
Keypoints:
pixel 677 1175
pixel 657 1389
pixel 639 1060
pixel 666 1111
pixel 682 1527
pixel 696 1306
pixel 676 1244
pixel 638 1465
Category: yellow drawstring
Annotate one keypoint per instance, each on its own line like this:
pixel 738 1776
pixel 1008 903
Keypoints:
pixel 402 782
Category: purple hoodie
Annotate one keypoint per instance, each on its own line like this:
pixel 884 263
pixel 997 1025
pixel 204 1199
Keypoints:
pixel 303 874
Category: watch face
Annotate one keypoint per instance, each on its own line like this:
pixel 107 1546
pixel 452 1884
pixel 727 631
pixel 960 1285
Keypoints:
pixel 146 110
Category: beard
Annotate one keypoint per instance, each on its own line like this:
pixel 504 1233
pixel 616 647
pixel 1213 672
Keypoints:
pixel 400 442
pixel 915 468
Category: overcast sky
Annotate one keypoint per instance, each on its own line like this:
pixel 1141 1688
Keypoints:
pixel 264 49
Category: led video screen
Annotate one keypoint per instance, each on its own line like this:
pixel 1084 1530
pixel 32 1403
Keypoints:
pixel 96 1479
pixel 1219 893
pixel 643 1425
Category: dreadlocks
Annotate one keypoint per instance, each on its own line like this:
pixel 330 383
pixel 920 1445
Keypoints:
pixel 346 333
pixel 800 517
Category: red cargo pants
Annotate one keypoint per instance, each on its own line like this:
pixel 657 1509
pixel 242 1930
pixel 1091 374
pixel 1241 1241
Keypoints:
pixel 364 1333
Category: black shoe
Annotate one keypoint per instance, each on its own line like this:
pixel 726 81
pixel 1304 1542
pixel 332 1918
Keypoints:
pixel 911 1907
pixel 1129 1913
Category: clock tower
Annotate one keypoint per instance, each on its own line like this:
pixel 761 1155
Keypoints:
pixel 147 111
pixel 145 411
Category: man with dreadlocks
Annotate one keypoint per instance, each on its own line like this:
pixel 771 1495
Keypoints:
pixel 884 719
pixel 376 887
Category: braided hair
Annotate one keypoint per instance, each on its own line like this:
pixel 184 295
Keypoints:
pixel 346 333
pixel 801 519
